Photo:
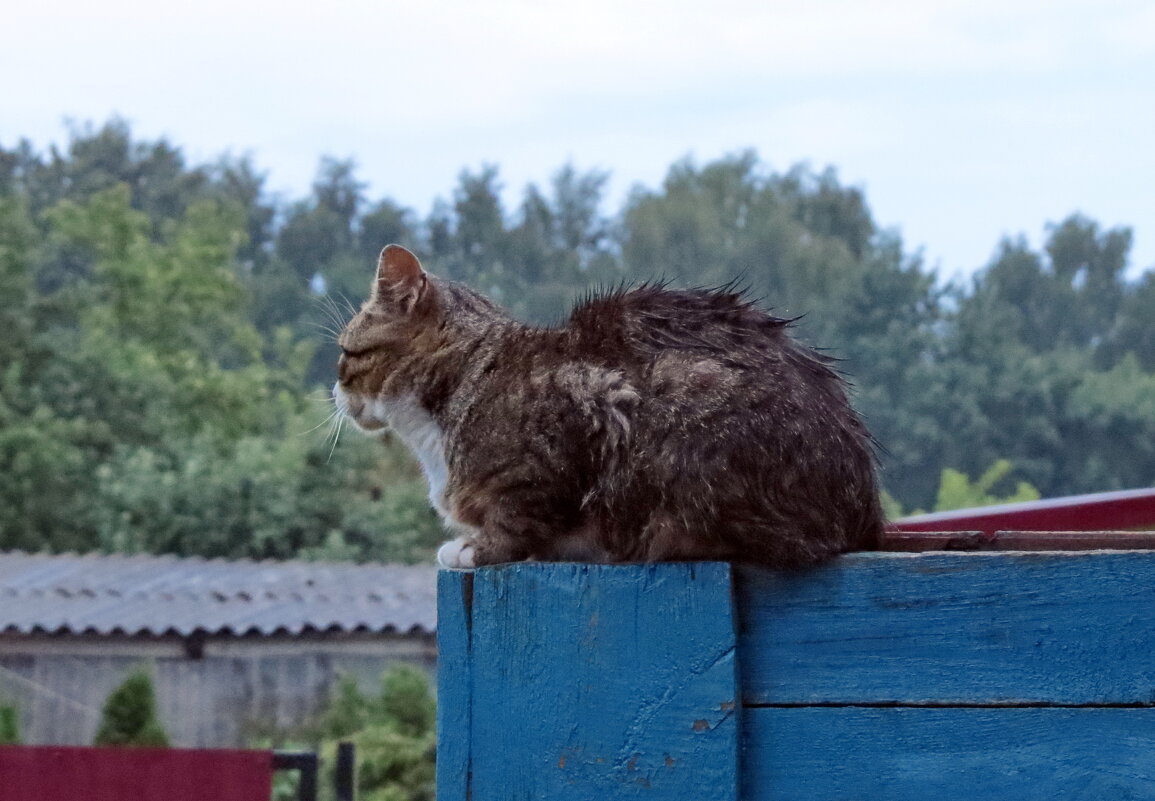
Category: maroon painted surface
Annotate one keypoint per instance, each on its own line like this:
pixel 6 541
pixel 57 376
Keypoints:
pixel 51 773
pixel 1104 511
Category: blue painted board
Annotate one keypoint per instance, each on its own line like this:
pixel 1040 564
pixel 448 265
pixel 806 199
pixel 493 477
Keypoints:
pixel 589 681
pixel 564 681
pixel 454 594
pixel 939 628
pixel 973 754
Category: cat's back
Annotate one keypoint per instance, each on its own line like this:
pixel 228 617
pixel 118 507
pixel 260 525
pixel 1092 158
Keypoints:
pixel 714 373
pixel 715 341
pixel 739 429
pixel 650 319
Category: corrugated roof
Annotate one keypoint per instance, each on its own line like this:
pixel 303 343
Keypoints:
pixel 166 594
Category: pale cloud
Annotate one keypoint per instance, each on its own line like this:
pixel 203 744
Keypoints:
pixel 966 109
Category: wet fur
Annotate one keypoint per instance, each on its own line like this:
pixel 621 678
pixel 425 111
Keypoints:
pixel 654 425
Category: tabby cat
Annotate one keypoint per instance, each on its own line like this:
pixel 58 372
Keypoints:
pixel 655 425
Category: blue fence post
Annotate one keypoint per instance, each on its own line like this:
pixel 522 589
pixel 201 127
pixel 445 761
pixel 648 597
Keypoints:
pixel 578 682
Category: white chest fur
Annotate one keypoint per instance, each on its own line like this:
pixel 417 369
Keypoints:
pixel 420 432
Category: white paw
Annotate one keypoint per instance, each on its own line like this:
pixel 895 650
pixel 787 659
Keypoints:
pixel 457 554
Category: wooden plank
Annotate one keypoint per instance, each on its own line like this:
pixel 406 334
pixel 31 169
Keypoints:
pixel 1018 540
pixel 907 754
pixel 973 628
pixel 594 682
pixel 454 599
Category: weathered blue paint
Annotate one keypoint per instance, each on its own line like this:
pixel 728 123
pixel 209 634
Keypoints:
pixel 973 628
pixel 454 686
pixel 879 676
pixel 589 682
pixel 971 754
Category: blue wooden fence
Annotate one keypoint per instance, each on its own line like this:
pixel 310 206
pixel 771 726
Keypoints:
pixel 880 676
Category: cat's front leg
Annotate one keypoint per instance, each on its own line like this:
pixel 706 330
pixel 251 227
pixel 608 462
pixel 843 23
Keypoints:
pixel 465 554
pixel 511 528
pixel 508 534
pixel 496 551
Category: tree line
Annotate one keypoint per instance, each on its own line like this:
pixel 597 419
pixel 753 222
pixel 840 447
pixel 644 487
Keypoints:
pixel 168 337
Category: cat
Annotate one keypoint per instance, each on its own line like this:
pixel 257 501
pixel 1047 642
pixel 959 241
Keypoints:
pixel 655 425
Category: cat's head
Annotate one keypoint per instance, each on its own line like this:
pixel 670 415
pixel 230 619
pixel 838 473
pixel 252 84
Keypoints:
pixel 391 346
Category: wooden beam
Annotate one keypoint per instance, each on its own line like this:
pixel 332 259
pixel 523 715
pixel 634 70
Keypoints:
pixel 917 541
pixel 1067 628
pixel 903 754
pixel 588 682
pixel 972 675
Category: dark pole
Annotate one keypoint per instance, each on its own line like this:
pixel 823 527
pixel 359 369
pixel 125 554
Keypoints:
pixel 345 772
pixel 307 789
pixel 305 762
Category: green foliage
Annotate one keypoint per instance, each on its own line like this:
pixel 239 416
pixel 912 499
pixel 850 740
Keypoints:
pixel 143 408
pixel 348 711
pixel 393 734
pixel 406 702
pixel 957 491
pixel 129 715
pixel 891 508
pixel 168 328
pixel 9 725
pixel 391 765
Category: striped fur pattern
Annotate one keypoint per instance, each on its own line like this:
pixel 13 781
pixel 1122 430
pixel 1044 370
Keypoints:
pixel 655 425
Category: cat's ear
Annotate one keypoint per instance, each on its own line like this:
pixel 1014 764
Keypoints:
pixel 400 281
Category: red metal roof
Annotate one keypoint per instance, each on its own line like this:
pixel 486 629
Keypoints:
pixel 1102 511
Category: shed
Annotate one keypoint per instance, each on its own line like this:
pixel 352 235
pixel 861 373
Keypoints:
pixel 236 649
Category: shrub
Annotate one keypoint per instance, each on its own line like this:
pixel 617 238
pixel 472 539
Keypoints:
pixel 9 726
pixel 393 735
pixel 129 715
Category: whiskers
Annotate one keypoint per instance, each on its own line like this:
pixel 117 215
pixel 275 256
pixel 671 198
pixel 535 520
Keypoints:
pixel 337 427
pixel 335 421
pixel 331 418
pixel 336 315
pixel 336 312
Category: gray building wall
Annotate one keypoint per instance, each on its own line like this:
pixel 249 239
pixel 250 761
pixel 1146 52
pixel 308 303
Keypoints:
pixel 218 691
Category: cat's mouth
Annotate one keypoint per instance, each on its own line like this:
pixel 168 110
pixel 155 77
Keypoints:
pixel 356 409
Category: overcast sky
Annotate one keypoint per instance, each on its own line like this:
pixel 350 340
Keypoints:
pixel 963 120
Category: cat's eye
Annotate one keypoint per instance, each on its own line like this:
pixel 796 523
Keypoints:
pixel 352 353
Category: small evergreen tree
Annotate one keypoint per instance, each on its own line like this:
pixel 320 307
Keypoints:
pixel 9 726
pixel 129 715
